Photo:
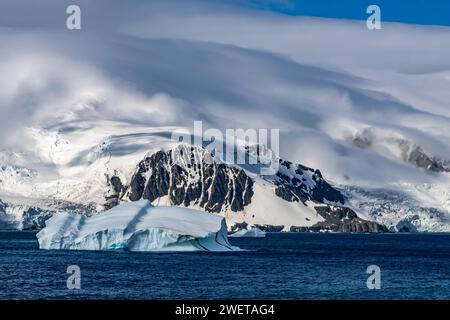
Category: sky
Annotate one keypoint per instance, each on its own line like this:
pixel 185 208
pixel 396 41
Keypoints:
pixel 45 12
pixel 426 12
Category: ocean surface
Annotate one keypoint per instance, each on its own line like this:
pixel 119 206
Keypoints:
pixel 279 266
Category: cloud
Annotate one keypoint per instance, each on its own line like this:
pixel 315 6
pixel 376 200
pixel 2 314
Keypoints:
pixel 43 86
pixel 327 42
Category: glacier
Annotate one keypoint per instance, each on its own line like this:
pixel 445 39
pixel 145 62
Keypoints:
pixel 137 226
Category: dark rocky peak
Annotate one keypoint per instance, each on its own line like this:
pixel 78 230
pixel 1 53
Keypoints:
pixel 190 176
pixel 296 182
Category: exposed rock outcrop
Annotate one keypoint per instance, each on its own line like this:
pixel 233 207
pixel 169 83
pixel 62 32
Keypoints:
pixel 341 219
pixel 296 182
pixel 190 177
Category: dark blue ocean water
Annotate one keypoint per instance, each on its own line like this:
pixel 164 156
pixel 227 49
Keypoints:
pixel 280 266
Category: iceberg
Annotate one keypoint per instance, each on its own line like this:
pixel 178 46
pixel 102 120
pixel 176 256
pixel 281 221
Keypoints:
pixel 254 232
pixel 137 226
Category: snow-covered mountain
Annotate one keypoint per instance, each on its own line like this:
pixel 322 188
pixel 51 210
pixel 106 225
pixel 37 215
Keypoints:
pixel 82 113
pixel 295 198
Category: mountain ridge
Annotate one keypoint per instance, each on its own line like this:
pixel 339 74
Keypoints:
pixel 214 186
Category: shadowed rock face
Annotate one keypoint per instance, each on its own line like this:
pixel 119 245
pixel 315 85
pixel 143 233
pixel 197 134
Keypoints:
pixel 420 159
pixel 296 182
pixel 211 185
pixel 269 228
pixel 341 219
pixel 2 207
pixel 116 188
pixel 34 218
pixel 409 151
pixel 3 225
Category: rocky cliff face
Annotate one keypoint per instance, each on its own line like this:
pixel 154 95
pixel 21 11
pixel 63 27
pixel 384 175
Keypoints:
pixel 190 176
pixel 406 150
pixel 420 159
pixel 341 219
pixel 296 182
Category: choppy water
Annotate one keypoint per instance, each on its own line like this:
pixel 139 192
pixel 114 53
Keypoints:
pixel 280 266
